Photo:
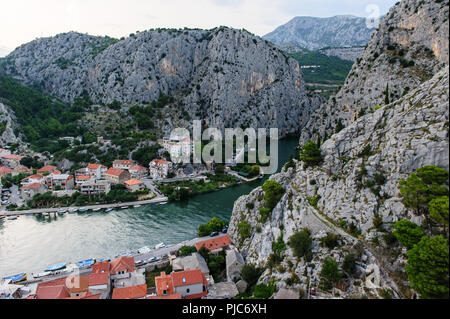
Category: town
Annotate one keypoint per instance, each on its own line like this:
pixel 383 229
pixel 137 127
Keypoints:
pixel 23 187
pixel 172 272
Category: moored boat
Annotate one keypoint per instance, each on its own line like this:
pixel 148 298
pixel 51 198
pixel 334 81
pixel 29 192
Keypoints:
pixel 12 218
pixel 109 210
pixel 97 209
pixel 124 207
pixel 84 209
pixel 137 206
pixel 56 267
pixel 160 245
pixel 17 278
pixel 85 263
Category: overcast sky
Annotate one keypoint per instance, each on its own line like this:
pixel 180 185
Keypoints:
pixel 22 21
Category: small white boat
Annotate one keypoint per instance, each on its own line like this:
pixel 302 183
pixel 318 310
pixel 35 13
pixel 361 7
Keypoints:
pixel 96 209
pixel 84 209
pixel 144 250
pixel 163 203
pixel 124 207
pixel 159 246
pixel 73 210
pixel 137 206
pixel 12 218
pixel 109 210
pixel 42 274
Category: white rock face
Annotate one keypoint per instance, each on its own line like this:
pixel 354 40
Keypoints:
pixel 403 136
pixel 410 46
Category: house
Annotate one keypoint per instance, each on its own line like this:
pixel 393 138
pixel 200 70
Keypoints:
pixel 123 164
pixel 124 274
pixel 72 287
pixel 194 261
pixel 21 170
pixel 84 179
pixel 48 169
pixel 134 292
pixel 4 171
pixel 36 178
pixel 93 187
pixel 97 170
pixel 117 176
pixel 52 292
pixel 190 284
pixel 138 171
pixel 83 172
pixel 11 160
pixel 99 283
pixel 215 245
pixel 135 185
pixel 62 181
pixel 4 152
pixel 30 190
pixel 234 264
pixel 159 168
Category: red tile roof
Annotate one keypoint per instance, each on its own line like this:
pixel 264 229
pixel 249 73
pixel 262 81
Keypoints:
pixel 114 172
pixel 137 168
pixel 5 169
pixel 93 166
pixel 172 296
pixel 13 157
pixel 96 279
pixel 134 292
pixel 123 162
pixel 188 277
pixel 52 292
pixel 47 169
pixel 164 284
pixel 102 267
pixel 84 177
pixel 32 186
pixel 214 243
pixel 35 176
pixel 76 284
pixel 87 295
pixel 133 182
pixel 160 162
pixel 122 264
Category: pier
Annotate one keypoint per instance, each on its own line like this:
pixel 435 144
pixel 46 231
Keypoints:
pixel 39 211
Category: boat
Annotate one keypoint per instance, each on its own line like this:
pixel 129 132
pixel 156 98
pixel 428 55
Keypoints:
pixel 124 207
pixel 85 263
pixel 73 210
pixel 160 245
pixel 144 250
pixel 62 212
pixel 56 267
pixel 12 218
pixel 17 278
pixel 137 206
pixel 42 274
pixel 163 203
pixel 109 210
pixel 84 209
pixel 97 209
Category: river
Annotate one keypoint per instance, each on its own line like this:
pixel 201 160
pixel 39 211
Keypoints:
pixel 31 243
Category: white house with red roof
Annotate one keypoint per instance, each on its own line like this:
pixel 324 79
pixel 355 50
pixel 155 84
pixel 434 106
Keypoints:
pixel 48 169
pixel 97 170
pixel 28 191
pixel 123 164
pixel 124 274
pixel 36 178
pixel 135 185
pixel 84 179
pixel 99 279
pixel 11 160
pixel 159 168
pixel 62 181
pixel 190 284
pixel 117 176
pixel 138 171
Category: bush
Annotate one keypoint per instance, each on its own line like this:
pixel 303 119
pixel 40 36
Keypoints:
pixel 427 267
pixel 349 264
pixel 187 251
pixel 439 210
pixel 432 175
pixel 245 230
pixel 408 233
pixel 300 243
pixel 329 274
pixel 263 291
pixel 310 154
pixel 272 194
pixel 251 274
pixel 330 240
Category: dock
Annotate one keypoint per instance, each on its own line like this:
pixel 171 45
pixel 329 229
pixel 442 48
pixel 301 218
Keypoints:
pixel 104 206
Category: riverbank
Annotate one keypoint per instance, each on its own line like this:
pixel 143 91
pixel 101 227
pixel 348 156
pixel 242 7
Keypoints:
pixel 157 200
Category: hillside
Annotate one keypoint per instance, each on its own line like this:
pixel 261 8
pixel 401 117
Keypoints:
pixel 226 77
pixel 316 33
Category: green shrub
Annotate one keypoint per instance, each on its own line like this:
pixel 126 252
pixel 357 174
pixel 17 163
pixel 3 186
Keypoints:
pixel 311 154
pixel 408 233
pixel 301 242
pixel 245 230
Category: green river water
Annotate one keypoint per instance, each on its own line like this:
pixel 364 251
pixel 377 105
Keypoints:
pixel 31 243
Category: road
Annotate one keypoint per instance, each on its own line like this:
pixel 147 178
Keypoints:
pixel 159 253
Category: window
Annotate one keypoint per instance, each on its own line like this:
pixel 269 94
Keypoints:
pixel 188 290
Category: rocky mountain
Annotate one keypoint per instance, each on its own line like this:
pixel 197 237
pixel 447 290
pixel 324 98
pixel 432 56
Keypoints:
pixel 348 54
pixel 410 46
pixel 227 77
pixel 353 196
pixel 316 33
pixel 7 126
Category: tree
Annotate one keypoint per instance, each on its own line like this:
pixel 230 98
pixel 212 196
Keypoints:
pixel 301 243
pixel 245 229
pixel 349 264
pixel 439 210
pixel 272 193
pixel 414 192
pixel 329 274
pixel 263 291
pixel 408 233
pixel 310 154
pixel 427 267
pixel 432 174
pixel 250 274
pixel 220 170
pixel 187 250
